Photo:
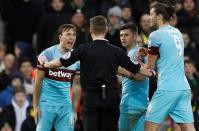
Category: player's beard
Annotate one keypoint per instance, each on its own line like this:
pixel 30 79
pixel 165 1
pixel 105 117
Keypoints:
pixel 154 28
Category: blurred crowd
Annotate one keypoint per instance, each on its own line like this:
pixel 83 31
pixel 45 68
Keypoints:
pixel 27 27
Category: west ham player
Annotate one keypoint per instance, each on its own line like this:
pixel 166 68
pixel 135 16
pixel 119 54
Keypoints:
pixel 134 99
pixel 166 51
pixel 52 102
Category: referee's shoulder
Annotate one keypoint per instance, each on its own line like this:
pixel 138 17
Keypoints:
pixel 116 48
pixel 81 46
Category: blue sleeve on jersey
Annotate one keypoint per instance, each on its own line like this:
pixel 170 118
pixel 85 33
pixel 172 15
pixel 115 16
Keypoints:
pixel 154 39
pixel 78 65
pixel 47 53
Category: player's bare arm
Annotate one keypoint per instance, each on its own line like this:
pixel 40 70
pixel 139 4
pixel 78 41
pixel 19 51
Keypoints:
pixel 151 61
pixel 36 93
pixel 76 92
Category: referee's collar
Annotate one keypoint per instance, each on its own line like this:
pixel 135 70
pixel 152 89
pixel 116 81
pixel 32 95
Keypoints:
pixel 100 39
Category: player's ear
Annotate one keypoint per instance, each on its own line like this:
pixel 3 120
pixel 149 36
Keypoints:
pixel 134 35
pixel 106 30
pixel 159 17
pixel 59 36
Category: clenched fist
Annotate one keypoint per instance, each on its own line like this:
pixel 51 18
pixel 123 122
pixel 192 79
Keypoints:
pixel 142 52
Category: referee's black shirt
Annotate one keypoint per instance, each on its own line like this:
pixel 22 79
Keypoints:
pixel 99 62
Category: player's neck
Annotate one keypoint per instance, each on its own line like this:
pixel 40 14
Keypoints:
pixel 131 47
pixel 163 24
pixel 62 50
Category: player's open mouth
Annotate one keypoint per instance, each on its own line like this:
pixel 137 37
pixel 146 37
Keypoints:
pixel 70 43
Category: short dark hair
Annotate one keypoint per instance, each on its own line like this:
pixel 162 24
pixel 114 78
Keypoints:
pixel 65 27
pixel 98 24
pixel 189 62
pixel 19 90
pixel 165 10
pixel 131 26
pixel 24 60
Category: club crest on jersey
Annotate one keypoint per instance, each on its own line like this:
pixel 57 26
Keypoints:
pixel 66 55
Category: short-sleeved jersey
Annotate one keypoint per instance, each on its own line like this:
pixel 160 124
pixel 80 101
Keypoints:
pixel 134 93
pixel 55 90
pixel 170 64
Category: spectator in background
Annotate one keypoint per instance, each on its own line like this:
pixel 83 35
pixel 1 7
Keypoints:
pixel 114 23
pixel 5 75
pixel 22 18
pixel 54 16
pixel 178 5
pixel 139 7
pixel 105 5
pixel 190 49
pixel 16 112
pixel 7 94
pixel 29 123
pixel 6 127
pixel 145 29
pixel 2 55
pixel 25 68
pixel 86 7
pixel 78 19
pixel 193 79
pixel 127 14
pixel 22 50
pixel 188 18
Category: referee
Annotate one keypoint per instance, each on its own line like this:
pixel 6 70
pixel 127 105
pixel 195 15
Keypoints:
pixel 99 61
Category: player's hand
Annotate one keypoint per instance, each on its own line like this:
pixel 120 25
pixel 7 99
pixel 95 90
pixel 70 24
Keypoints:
pixel 142 52
pixel 37 114
pixel 42 59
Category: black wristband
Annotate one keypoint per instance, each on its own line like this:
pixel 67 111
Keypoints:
pixel 43 65
pixel 153 74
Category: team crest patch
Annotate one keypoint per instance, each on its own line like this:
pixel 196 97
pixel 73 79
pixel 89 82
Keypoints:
pixel 66 55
